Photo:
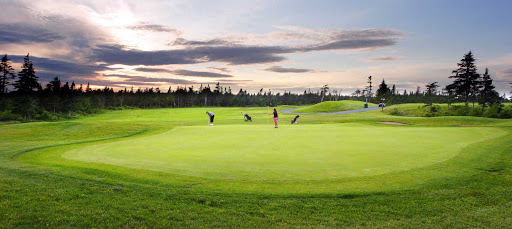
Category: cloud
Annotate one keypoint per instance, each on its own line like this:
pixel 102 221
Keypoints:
pixel 236 55
pixel 25 34
pixel 183 72
pixel 233 53
pixel 143 79
pixel 280 69
pixel 182 41
pixel 61 68
pixel 152 70
pixel 504 76
pixel 220 69
pixel 153 28
pixel 350 44
pixel 381 59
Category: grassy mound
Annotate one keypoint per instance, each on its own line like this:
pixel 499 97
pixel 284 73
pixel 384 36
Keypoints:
pixel 334 106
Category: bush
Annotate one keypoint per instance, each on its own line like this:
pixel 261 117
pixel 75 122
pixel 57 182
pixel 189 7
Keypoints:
pixel 46 116
pixel 9 116
pixel 457 110
pixel 506 112
pixel 493 111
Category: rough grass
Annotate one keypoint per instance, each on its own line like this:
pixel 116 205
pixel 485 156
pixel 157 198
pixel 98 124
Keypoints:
pixel 456 109
pixel 334 106
pixel 40 188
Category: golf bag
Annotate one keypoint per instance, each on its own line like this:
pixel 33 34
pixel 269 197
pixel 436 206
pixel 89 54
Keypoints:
pixel 294 120
pixel 247 117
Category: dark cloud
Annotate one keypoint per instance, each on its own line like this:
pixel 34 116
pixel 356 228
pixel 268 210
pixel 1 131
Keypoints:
pixel 280 69
pixel 152 70
pixel 350 44
pixel 220 69
pixel 127 79
pixel 218 50
pixel 183 72
pixel 61 68
pixel 236 55
pixel 25 34
pixel 181 41
pixel 153 28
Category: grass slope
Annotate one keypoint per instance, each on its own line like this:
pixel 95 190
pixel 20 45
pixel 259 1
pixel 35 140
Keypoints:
pixel 334 106
pixel 40 188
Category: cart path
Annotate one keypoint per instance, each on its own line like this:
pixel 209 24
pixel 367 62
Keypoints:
pixel 289 111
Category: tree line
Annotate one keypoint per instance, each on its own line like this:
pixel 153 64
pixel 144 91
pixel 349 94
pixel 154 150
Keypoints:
pixel 31 100
pixel 468 86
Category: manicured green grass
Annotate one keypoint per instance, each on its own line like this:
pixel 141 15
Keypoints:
pixel 167 168
pixel 295 153
pixel 334 106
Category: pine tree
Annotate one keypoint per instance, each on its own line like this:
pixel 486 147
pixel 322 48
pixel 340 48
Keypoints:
pixel 466 79
pixel 324 91
pixel 383 90
pixel 487 95
pixel 27 79
pixel 431 91
pixel 7 73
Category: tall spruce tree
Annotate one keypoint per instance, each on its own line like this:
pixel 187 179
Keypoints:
pixel 430 92
pixel 466 79
pixel 324 90
pixel 27 79
pixel 7 73
pixel 487 95
pixel 383 90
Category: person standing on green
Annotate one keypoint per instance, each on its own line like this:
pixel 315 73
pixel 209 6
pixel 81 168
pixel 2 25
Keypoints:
pixel 276 117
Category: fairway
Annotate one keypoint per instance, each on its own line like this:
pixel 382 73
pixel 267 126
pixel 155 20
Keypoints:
pixel 298 152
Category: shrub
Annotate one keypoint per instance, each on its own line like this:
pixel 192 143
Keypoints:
pixel 506 112
pixel 47 116
pixel 396 111
pixel 493 111
pixel 460 110
pixel 9 116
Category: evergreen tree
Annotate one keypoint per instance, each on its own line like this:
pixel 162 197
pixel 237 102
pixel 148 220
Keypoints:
pixel 27 79
pixel 430 92
pixel 466 78
pixel 487 95
pixel 383 90
pixel 324 91
pixel 7 73
pixel 54 85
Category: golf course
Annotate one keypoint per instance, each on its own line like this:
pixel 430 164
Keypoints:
pixel 169 168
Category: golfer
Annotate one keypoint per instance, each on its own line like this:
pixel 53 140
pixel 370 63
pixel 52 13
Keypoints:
pixel 276 117
pixel 210 114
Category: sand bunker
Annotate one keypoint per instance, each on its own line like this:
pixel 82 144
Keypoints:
pixel 395 123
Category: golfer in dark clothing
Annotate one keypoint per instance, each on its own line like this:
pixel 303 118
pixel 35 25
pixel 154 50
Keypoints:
pixel 210 114
pixel 276 117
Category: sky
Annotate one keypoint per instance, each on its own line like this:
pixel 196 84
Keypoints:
pixel 286 45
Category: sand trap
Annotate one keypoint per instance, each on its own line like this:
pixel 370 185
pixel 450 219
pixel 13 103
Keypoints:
pixel 395 123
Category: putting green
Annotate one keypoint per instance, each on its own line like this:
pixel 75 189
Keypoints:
pixel 292 152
